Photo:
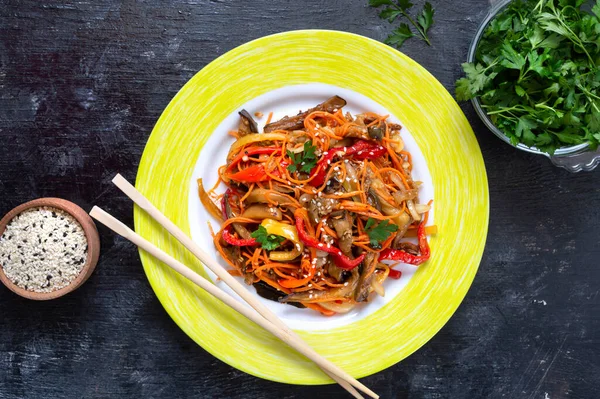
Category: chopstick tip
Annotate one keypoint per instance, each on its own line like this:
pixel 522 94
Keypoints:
pixel 118 178
pixel 95 211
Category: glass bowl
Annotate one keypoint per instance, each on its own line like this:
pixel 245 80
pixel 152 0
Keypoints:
pixel 574 158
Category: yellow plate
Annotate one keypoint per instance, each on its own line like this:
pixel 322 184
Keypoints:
pixel 439 128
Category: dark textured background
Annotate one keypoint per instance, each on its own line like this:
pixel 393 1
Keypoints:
pixel 81 85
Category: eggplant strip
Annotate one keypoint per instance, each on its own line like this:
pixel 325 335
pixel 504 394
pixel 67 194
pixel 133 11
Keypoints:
pixel 247 123
pixel 363 288
pixel 297 122
pixel 241 230
pixel 343 228
pixel 319 296
pixel 262 211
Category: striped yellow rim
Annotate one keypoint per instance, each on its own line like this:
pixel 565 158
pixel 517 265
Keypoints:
pixel 439 128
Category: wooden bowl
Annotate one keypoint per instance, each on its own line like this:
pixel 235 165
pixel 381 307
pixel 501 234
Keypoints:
pixel 91 235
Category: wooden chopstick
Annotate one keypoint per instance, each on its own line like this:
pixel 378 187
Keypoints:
pixel 118 227
pixel 336 373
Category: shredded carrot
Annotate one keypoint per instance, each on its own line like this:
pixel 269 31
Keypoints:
pixel 269 118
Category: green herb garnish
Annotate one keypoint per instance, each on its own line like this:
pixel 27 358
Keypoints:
pixel 304 161
pixel 536 73
pixel 399 9
pixel 379 232
pixel 266 240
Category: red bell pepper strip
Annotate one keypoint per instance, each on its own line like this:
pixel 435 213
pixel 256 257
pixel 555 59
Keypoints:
pixel 341 260
pixel 256 173
pixel 251 174
pixel 360 150
pixel 395 274
pixel 344 262
pixel 239 242
pixel 405 257
pixel 253 151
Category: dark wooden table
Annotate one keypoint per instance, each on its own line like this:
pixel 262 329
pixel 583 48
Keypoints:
pixel 81 86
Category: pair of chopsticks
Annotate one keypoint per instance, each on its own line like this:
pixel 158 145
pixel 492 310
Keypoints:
pixel 261 314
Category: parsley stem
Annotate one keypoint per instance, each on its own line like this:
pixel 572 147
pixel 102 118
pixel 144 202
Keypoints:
pixel 573 37
pixel 499 111
pixel 587 92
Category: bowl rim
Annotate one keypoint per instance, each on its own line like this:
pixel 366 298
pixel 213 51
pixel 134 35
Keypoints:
pixel 91 235
pixel 562 151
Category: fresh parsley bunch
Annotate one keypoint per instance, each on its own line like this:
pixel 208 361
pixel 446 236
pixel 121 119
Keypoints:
pixel 536 73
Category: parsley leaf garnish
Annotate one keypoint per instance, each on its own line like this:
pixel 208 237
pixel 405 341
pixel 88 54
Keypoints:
pixel 399 9
pixel 304 161
pixel 379 232
pixel 536 73
pixel 399 35
pixel 266 240
pixel 425 19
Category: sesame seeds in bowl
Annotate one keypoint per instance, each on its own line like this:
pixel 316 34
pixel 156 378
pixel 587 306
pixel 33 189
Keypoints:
pixel 48 248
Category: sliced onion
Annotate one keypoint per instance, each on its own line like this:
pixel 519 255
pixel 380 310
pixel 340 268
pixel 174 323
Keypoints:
pixel 413 212
pixel 343 307
pixel 378 287
pixel 397 181
pixel 396 142
pixel 422 208
pixel 321 254
pixel 208 203
pixel 253 138
pixel 306 198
